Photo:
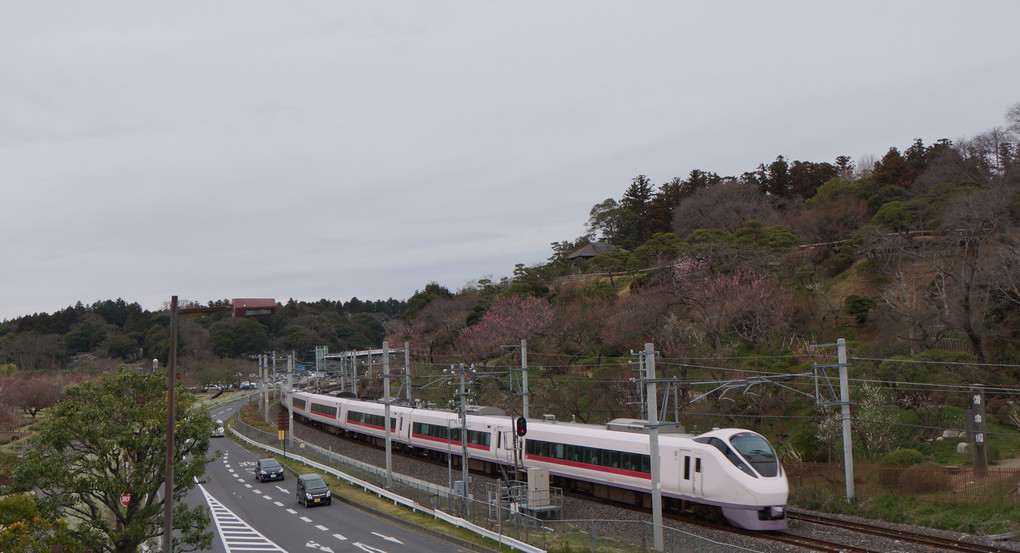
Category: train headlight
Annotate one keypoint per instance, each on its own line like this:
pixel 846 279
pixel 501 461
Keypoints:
pixel 777 512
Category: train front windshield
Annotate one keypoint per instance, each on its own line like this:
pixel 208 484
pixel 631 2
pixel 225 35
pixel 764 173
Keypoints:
pixel 757 451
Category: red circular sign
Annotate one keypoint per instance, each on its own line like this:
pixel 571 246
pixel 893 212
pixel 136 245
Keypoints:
pixel 125 499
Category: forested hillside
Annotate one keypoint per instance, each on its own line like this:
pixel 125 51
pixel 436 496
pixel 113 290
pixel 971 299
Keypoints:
pixel 913 256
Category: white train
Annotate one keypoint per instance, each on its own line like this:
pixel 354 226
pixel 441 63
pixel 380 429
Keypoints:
pixel 734 470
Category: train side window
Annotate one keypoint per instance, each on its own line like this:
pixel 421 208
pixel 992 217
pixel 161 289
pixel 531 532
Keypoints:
pixel 687 467
pixel 614 461
pixel 697 464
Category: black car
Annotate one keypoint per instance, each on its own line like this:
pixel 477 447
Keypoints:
pixel 268 469
pixel 312 490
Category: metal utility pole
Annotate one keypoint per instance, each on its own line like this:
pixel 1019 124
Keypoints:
pixel 407 370
pixel 386 414
pixel 524 378
pixel 264 376
pixel 354 375
pixel 844 400
pixel 290 400
pixel 463 432
pixel 844 405
pixel 653 444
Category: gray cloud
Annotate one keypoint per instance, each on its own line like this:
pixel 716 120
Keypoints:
pixel 333 150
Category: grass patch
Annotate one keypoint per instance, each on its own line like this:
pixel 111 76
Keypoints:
pixel 909 509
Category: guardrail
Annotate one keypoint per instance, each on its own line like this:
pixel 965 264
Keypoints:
pixel 415 506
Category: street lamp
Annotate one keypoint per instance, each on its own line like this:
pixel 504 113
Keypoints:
pixel 239 307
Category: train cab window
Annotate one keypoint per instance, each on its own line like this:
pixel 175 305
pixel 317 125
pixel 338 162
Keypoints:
pixel 729 453
pixel 757 451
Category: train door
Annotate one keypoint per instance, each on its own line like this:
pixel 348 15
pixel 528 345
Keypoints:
pixel 690 473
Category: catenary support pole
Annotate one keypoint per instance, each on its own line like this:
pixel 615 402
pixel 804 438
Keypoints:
pixel 290 402
pixel 653 441
pixel 524 378
pixel 844 400
pixel 407 371
pixel 464 436
pixel 386 414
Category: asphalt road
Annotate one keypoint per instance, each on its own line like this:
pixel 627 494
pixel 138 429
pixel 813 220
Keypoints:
pixel 252 516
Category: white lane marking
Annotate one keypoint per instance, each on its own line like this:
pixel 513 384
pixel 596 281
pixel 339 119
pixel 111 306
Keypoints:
pixel 278 504
pixel 306 519
pixel 235 533
pixel 340 537
pixel 388 538
pixel 367 548
pixel 318 546
pixel 267 497
pixel 282 489
pixel 292 511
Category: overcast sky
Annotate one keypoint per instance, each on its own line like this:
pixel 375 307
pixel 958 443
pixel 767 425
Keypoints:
pixel 311 150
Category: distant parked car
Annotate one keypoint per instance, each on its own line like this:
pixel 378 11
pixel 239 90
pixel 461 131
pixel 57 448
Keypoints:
pixel 312 490
pixel 268 469
pixel 218 432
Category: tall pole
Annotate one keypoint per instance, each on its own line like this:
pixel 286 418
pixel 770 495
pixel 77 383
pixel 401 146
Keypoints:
pixel 290 402
pixel 386 413
pixel 653 445
pixel 844 400
pixel 463 437
pixel 354 374
pixel 407 370
pixel 524 377
pixel 264 375
pixel 168 489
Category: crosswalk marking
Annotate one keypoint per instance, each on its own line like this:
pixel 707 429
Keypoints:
pixel 235 533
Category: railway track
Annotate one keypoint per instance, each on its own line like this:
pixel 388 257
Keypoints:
pixel 901 536
pixel 897 538
pixel 804 542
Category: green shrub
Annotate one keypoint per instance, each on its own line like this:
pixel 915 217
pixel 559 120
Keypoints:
pixel 890 474
pixel 902 458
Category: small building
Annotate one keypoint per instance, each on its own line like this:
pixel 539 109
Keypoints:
pixel 595 249
pixel 246 307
